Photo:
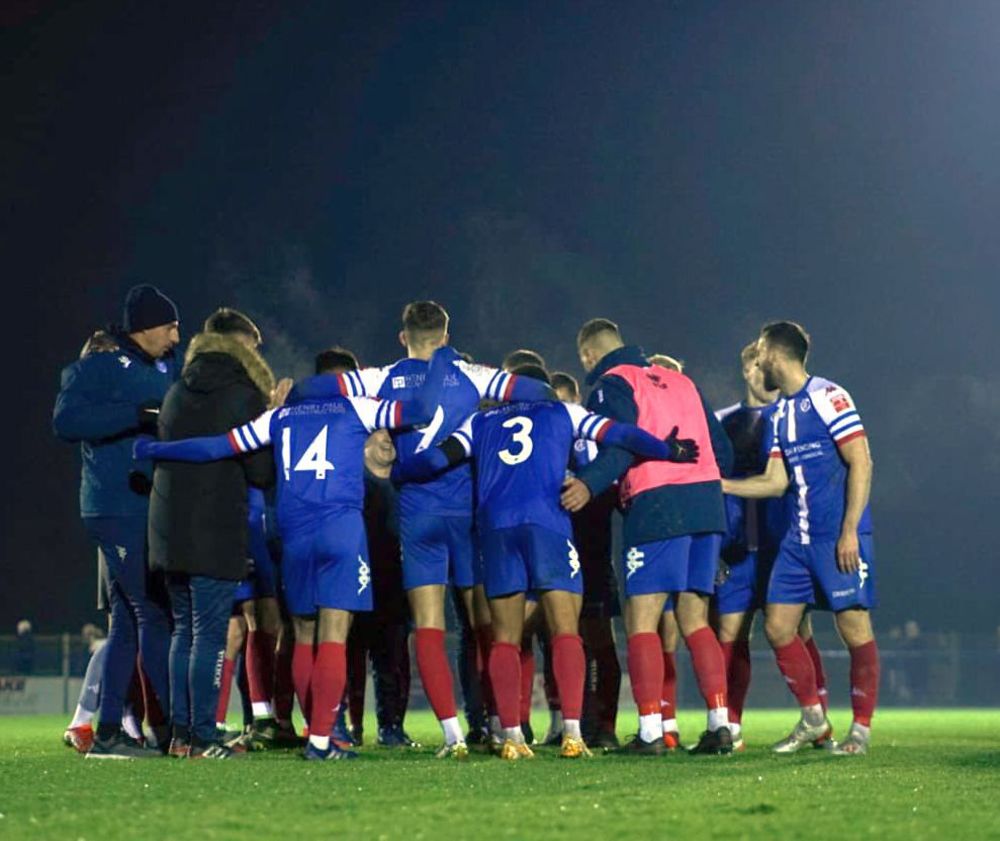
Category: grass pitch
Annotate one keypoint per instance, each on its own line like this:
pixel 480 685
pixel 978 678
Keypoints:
pixel 931 774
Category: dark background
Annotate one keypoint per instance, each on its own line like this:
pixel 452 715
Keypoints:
pixel 687 169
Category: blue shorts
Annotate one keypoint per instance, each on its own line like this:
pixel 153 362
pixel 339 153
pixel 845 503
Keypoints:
pixel 808 574
pixel 529 557
pixel 437 550
pixel 327 566
pixel 677 565
pixel 741 585
pixel 261 582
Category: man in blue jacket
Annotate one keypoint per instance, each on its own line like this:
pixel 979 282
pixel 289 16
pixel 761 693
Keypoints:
pixel 106 399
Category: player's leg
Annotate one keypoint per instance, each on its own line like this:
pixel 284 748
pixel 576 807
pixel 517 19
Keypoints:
pixel 809 640
pixel 80 733
pixel 303 657
pixel 180 656
pixel 329 677
pixel 425 576
pixel 507 614
pixel 855 628
pixel 342 588
pixel 534 626
pixel 733 630
pixel 235 638
pixel 262 641
pixel 709 668
pixel 669 637
pixel 604 679
pixel 562 612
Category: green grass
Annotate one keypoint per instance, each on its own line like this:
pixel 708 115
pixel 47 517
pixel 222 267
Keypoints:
pixel 931 774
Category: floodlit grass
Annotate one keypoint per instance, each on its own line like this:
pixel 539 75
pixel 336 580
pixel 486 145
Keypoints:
pixel 931 774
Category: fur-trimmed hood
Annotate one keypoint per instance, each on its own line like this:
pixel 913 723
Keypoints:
pixel 197 377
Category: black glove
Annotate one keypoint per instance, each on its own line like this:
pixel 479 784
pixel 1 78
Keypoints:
pixel 148 414
pixel 682 450
pixel 140 483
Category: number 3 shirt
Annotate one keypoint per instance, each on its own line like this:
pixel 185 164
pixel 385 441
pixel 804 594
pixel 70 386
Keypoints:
pixel 521 452
pixel 319 453
pixel 450 494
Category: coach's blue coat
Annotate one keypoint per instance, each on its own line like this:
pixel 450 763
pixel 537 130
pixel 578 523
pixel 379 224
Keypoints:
pixel 98 406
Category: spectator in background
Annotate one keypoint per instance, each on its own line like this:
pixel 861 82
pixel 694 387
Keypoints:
pixel 107 397
pixel 24 658
pixel 198 517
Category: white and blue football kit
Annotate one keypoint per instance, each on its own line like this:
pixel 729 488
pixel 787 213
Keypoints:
pixel 261 581
pixel 319 453
pixel 435 517
pixel 521 452
pixel 807 429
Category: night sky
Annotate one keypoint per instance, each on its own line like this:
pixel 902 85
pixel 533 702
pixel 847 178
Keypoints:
pixel 689 169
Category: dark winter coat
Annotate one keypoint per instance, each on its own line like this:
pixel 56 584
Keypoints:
pixel 198 512
pixel 99 406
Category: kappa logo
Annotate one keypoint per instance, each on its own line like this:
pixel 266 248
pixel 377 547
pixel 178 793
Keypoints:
pixel 122 552
pixel 634 561
pixel 125 361
pixel 364 575
pixel 161 366
pixel 574 559
pixel 862 573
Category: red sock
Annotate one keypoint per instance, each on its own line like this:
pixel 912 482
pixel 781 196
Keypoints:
pixel 668 694
pixel 329 676
pixel 709 666
pixel 797 668
pixel 484 641
pixel 737 657
pixel 864 682
pixel 260 666
pixel 505 674
pixel 302 668
pixel 817 659
pixel 224 689
pixel 284 689
pixel 645 668
pixel 435 673
pixel 527 681
pixel 609 684
pixel 569 666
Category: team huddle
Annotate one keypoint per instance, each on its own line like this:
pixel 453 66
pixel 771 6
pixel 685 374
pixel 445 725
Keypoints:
pixel 504 487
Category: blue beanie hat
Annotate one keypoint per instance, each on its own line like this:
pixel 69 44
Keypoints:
pixel 145 307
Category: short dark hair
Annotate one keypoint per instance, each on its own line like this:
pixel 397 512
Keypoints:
pixel 522 356
pixel 595 327
pixel 226 320
pixel 536 372
pixel 335 360
pixel 560 379
pixel 789 336
pixel 424 317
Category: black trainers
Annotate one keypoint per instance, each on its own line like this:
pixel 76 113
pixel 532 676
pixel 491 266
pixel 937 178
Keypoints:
pixel 214 750
pixel 640 747
pixel 714 742
pixel 121 746
pixel 603 740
